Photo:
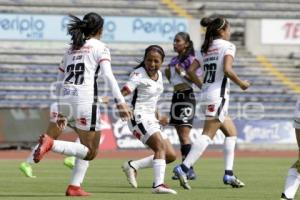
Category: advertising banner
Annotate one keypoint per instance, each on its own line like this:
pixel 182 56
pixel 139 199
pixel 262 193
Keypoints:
pixel 286 32
pixel 116 29
pixel 266 131
pixel 25 125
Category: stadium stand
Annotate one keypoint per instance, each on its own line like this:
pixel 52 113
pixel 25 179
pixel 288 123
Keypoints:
pixel 105 7
pixel 27 73
pixel 266 88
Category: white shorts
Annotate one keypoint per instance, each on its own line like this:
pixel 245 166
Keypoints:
pixel 82 116
pixel 142 127
pixel 217 108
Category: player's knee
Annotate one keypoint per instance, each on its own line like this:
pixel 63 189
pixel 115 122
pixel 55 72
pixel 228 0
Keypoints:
pixel 170 157
pixel 91 154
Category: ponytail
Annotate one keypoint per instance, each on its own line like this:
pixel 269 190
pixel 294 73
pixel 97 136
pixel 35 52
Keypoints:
pixel 81 30
pixel 75 29
pixel 213 26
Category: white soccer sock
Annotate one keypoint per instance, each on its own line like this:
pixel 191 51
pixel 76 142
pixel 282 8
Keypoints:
pixel 198 147
pixel 292 183
pixel 79 171
pixel 146 162
pixel 70 148
pixel 29 159
pixel 229 147
pixel 77 140
pixel 159 168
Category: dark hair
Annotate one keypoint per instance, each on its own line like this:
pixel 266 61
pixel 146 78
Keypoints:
pixel 156 48
pixel 214 25
pixel 190 49
pixel 80 30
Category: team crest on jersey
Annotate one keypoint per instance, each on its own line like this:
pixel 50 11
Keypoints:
pixel 211 108
pixel 105 51
pixel 137 134
pixel 54 114
pixel 82 121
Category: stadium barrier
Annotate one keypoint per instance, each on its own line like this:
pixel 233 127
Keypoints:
pixel 21 128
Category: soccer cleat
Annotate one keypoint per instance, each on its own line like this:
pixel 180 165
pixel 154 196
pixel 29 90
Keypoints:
pixel 26 169
pixel 283 197
pixel 233 181
pixel 130 173
pixel 182 177
pixel 191 175
pixel 76 191
pixel 163 189
pixel 69 162
pixel 45 145
pixel 174 177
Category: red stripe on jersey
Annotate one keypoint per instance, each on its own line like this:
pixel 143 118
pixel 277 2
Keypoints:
pixel 127 89
pixel 61 69
pixel 104 60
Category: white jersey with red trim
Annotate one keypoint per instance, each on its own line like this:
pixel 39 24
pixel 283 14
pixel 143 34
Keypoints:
pixel 215 83
pixel 81 68
pixel 146 91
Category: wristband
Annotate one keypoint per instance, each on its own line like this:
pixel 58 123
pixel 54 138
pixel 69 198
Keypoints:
pixel 182 73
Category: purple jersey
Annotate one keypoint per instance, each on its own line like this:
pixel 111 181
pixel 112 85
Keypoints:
pixel 177 79
pixel 185 64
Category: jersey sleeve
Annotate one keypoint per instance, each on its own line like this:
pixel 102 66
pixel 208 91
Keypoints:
pixel 106 70
pixel 133 82
pixel 173 62
pixel 102 53
pixel 230 50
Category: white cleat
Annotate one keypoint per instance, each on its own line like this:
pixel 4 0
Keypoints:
pixel 130 173
pixel 163 189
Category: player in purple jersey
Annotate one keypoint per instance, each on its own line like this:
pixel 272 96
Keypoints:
pixel 183 105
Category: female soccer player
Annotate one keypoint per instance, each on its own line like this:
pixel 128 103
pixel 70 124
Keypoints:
pixel 292 181
pixel 183 101
pixel 54 132
pixel 216 58
pixel 82 62
pixel 146 84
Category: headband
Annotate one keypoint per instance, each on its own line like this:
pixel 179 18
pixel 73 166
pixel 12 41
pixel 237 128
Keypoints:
pixel 222 25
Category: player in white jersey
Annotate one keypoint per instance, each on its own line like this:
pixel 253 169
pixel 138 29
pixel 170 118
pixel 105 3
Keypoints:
pixel 216 58
pixel 82 62
pixel 146 84
pixel 52 131
pixel 292 181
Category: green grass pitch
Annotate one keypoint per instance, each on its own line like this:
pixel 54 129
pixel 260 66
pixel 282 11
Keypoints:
pixel 264 178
